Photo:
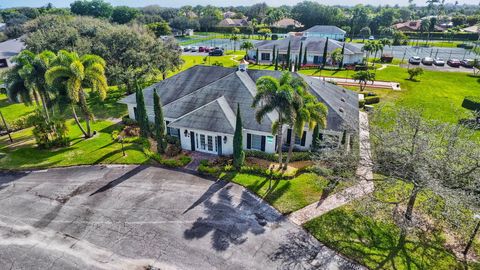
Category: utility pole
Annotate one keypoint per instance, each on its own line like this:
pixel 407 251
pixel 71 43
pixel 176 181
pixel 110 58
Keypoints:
pixel 6 127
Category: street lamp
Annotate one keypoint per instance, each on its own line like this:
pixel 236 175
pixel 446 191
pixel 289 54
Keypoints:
pixel 474 233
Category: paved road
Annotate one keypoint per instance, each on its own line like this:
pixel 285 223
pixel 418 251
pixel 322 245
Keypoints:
pixel 129 217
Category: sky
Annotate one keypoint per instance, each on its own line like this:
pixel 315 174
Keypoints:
pixel 178 3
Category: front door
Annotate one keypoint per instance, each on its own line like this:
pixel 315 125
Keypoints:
pixel 219 145
pixel 192 140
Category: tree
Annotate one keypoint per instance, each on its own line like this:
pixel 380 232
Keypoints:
pixel 340 64
pixel 337 56
pixel 299 58
pixel 363 77
pixel 238 153
pixel 94 8
pixel 159 124
pixel 141 116
pixel 311 13
pixel 71 73
pixel 414 72
pixel 124 14
pixel 365 32
pixel 424 27
pixel 384 42
pixel 246 45
pixel 273 54
pixel 257 57
pixel 325 54
pixel 288 56
pixel 183 23
pixel 305 56
pixel 276 60
pixel 369 47
pixel 160 28
pixel 235 39
pixel 264 32
pixel 274 96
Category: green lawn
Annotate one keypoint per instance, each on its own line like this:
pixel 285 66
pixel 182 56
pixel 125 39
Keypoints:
pixel 100 149
pixel 285 195
pixel 364 230
pixel 13 111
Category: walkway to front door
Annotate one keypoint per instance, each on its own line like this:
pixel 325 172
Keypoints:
pixel 196 158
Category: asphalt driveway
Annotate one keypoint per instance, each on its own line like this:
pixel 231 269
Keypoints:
pixel 131 217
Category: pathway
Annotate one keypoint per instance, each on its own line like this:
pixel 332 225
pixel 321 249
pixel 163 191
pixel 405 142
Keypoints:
pixel 362 188
pixel 196 158
pixel 351 82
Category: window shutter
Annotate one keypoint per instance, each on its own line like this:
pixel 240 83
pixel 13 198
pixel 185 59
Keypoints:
pixel 289 135
pixel 249 141
pixel 263 144
pixel 304 136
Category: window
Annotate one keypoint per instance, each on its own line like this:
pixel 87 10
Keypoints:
pixel 317 59
pixel 210 143
pixel 174 132
pixel 256 142
pixel 202 142
pixel 265 56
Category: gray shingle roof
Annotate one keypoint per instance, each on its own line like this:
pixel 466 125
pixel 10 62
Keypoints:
pixel 313 44
pixel 207 100
pixel 326 29
pixel 11 47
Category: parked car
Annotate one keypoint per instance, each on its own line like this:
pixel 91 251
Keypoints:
pixel 439 62
pixel 427 61
pixel 454 63
pixel 371 38
pixel 216 52
pixel 468 63
pixel 194 49
pixel 415 60
pixel 207 49
pixel 187 48
pixel 201 49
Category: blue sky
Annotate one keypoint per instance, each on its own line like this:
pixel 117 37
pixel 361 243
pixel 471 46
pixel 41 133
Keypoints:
pixel 177 3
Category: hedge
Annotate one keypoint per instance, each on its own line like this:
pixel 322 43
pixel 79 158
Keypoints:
pixel 372 100
pixel 471 103
pixel 296 156
pixel 173 163
pixel 361 103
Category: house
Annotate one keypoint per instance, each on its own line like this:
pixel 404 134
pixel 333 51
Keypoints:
pixel 199 106
pixel 229 14
pixel 472 29
pixel 2 27
pixel 413 26
pixel 9 49
pixel 287 23
pixel 324 31
pixel 228 22
pixel 180 33
pixel 315 46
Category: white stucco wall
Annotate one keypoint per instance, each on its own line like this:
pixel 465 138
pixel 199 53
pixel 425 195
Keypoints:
pixel 348 59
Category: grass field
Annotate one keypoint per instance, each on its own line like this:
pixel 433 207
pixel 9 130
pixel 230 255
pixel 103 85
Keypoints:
pixel 13 111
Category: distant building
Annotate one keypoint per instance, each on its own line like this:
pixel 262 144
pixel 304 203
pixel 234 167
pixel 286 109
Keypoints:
pixel 287 23
pixel 472 29
pixel 2 27
pixel 9 49
pixel 229 14
pixel 233 23
pixel 353 53
pixel 324 31
pixel 414 26
pixel 180 33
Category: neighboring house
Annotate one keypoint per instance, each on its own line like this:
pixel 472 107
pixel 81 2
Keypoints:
pixel 2 27
pixel 287 23
pixel 324 31
pixel 353 53
pixel 233 22
pixel 229 14
pixel 413 26
pixel 180 33
pixel 200 103
pixel 8 49
pixel 472 29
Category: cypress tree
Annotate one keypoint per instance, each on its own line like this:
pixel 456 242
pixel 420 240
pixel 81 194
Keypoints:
pixel 159 124
pixel 256 58
pixel 276 61
pixel 299 59
pixel 305 56
pixel 340 65
pixel 238 153
pixel 295 65
pixel 274 56
pixel 325 52
pixel 142 117
pixel 288 56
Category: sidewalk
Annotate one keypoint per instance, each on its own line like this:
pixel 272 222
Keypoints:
pixel 350 82
pixel 362 188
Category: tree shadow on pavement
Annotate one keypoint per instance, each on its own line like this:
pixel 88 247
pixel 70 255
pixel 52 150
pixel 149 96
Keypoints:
pixel 120 179
pixel 7 177
pixel 227 222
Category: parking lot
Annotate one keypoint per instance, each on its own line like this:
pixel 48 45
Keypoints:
pixel 439 68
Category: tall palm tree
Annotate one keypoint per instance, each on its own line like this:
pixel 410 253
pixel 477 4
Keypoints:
pixel 74 73
pixel 246 45
pixel 369 47
pixel 235 39
pixel 307 110
pixel 275 95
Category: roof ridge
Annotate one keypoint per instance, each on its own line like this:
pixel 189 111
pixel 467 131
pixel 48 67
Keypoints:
pixel 227 110
pixel 190 112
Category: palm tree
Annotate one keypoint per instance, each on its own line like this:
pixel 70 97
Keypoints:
pixel 385 42
pixel 246 45
pixel 234 38
pixel 307 111
pixel 274 96
pixel 377 46
pixel 74 73
pixel 363 77
pixel 369 47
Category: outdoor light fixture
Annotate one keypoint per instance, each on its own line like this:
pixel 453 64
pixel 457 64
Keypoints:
pixel 224 139
pixel 185 133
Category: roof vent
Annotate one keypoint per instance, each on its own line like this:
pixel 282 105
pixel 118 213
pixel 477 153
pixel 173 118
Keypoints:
pixel 341 110
pixel 342 99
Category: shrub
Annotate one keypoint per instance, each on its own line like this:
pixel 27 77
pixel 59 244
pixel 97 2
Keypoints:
pixel 471 103
pixel 131 131
pixel 371 94
pixel 296 156
pixel 48 134
pixel 21 123
pixel 172 163
pixel 129 121
pixel 361 103
pixel 415 72
pixel 372 100
pixel 172 150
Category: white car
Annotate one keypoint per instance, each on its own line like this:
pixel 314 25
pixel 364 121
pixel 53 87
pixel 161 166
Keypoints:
pixel 427 61
pixel 415 60
pixel 194 49
pixel 439 62
pixel 371 38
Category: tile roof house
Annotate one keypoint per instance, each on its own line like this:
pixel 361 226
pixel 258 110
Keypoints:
pixel 324 31
pixel 287 23
pixel 200 104
pixel 228 22
pixel 472 29
pixel 413 26
pixel 353 53
pixel 9 49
